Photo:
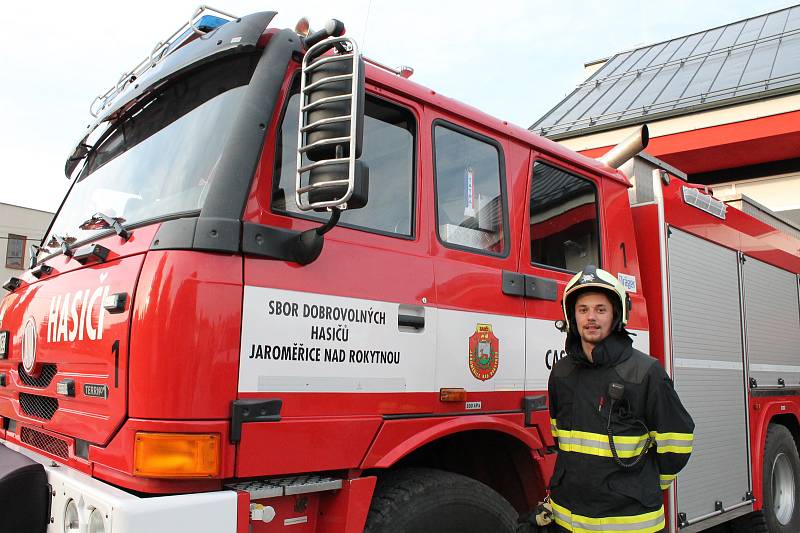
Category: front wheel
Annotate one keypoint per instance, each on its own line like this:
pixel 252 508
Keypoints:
pixel 423 500
pixel 781 479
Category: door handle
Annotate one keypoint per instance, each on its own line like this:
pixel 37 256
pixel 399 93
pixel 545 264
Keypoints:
pixel 527 286
pixel 410 318
pixel 411 321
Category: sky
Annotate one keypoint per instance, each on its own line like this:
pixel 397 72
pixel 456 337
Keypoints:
pixel 512 59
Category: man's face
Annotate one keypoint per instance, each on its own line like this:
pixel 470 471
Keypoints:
pixel 594 316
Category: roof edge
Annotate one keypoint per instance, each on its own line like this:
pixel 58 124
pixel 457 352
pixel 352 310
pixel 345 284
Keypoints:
pixel 630 50
pixel 641 119
pixel 28 208
pixel 596 61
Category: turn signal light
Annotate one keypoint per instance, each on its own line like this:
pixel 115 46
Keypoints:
pixel 452 395
pixel 176 455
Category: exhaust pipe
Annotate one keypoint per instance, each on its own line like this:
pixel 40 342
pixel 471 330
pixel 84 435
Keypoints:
pixel 629 147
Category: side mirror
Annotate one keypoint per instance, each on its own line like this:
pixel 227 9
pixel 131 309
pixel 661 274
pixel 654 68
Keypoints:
pixel 331 130
pixel 33 253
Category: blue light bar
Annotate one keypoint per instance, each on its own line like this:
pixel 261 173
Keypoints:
pixel 206 24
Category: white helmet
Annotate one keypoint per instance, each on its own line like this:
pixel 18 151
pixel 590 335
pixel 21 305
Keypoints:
pixel 593 278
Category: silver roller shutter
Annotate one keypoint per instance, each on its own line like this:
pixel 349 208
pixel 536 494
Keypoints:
pixel 773 324
pixel 708 372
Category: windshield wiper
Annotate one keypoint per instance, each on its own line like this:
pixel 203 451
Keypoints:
pixel 63 242
pixel 103 221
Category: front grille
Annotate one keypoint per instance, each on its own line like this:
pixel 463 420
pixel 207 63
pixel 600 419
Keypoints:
pixel 43 441
pixel 39 406
pixel 41 381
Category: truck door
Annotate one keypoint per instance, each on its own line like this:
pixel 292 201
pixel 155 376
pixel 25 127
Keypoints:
pixel 707 357
pixel 353 333
pixel 480 338
pixel 560 237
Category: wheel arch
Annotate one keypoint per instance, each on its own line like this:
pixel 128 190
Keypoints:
pixel 496 452
pixel 781 476
pixel 790 421
pixel 773 411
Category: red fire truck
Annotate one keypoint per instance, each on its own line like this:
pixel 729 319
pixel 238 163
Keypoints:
pixel 292 290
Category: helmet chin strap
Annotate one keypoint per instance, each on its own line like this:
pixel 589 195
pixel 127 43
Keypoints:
pixel 616 326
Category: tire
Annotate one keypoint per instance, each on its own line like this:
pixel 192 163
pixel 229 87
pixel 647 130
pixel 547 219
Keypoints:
pixel 423 500
pixel 781 481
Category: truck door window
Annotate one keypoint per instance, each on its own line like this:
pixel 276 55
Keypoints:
pixel 563 219
pixel 469 204
pixel 388 150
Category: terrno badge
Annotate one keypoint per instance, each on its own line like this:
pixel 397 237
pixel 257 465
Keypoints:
pixel 484 352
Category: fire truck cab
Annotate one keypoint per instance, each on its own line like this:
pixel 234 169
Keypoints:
pixel 291 289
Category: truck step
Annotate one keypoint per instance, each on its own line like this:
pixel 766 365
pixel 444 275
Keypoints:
pixel 286 486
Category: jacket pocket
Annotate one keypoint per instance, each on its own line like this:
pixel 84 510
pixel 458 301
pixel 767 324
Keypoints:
pixel 637 486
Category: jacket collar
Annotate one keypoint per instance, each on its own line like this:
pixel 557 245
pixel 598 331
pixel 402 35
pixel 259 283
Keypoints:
pixel 611 351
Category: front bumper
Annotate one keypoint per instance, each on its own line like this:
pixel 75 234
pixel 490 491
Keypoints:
pixel 208 512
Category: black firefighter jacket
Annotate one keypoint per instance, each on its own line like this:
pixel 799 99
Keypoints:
pixel 590 492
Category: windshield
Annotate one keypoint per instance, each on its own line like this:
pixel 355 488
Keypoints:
pixel 159 160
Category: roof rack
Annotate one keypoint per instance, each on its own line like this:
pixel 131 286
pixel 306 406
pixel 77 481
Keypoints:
pixel 204 19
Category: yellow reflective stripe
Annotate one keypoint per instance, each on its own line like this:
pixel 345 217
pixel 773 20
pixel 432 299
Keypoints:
pixel 602 452
pixel 643 523
pixel 673 442
pixel 688 437
pixel 666 480
pixel 664 442
pixel 578 529
pixel 602 437
pixel 631 519
pixel 618 439
pixel 674 449
pixel 597 443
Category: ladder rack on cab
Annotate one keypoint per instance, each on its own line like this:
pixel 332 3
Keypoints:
pixel 202 21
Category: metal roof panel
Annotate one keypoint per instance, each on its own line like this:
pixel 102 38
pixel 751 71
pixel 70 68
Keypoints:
pixel 673 77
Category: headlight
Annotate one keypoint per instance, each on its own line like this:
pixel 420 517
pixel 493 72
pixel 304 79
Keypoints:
pixel 71 518
pixel 96 524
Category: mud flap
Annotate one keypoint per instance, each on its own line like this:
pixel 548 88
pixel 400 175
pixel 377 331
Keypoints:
pixel 24 493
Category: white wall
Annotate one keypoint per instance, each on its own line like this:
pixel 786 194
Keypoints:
pixel 778 193
pixel 30 223
pixel 690 122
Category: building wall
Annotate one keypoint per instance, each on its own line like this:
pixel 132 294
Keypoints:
pixel 22 221
pixel 779 193
pixel 723 139
pixel 690 122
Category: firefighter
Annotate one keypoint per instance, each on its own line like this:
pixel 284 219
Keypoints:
pixel 621 429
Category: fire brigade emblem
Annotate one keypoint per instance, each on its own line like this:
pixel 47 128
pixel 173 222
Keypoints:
pixel 484 352
pixel 29 345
